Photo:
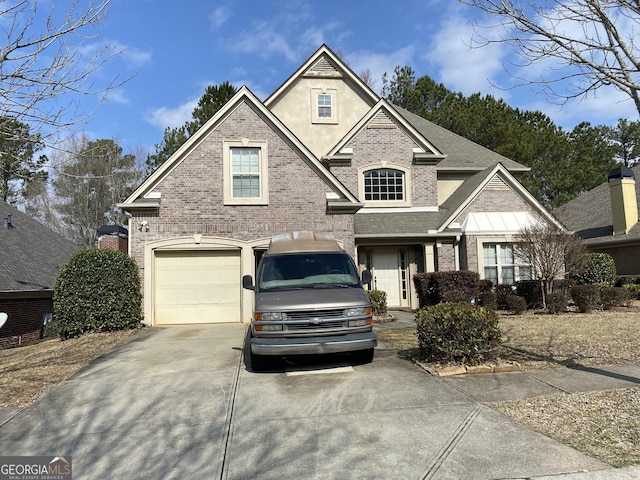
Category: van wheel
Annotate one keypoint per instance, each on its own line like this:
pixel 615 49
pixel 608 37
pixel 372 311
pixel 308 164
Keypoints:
pixel 260 363
pixel 362 357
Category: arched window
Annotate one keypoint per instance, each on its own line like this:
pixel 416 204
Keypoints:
pixel 384 185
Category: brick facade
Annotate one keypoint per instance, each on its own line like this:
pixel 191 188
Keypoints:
pixel 25 319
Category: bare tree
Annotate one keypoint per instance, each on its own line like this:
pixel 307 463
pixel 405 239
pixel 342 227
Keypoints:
pixel 593 42
pixel 552 253
pixel 48 60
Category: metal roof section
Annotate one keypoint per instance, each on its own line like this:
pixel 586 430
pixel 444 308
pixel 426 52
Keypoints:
pixel 497 222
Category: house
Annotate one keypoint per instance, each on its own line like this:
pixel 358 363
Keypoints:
pixel 606 219
pixel 322 153
pixel 31 256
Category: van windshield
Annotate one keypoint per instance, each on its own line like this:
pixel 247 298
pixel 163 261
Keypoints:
pixel 307 270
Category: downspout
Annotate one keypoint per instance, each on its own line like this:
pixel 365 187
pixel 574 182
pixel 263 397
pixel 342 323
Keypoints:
pixel 456 252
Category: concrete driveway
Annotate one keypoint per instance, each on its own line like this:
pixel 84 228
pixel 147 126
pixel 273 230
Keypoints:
pixel 179 402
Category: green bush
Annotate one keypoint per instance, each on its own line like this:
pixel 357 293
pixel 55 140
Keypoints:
pixel 557 302
pixel 457 332
pixel 599 269
pixel 502 291
pixel 453 286
pixel 97 290
pixel 611 297
pixel 531 291
pixel 51 329
pixel 378 299
pixel 488 300
pixel 633 289
pixel 516 304
pixel 586 297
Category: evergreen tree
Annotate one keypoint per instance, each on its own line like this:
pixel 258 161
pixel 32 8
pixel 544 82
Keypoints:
pixel 213 99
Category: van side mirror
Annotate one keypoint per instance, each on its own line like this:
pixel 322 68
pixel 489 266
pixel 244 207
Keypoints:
pixel 366 276
pixel 247 282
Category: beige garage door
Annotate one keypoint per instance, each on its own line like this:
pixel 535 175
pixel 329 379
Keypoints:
pixel 197 287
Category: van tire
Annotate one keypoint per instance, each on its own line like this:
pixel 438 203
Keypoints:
pixel 260 363
pixel 362 357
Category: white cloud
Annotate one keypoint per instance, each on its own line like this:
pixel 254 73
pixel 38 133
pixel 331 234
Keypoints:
pixel 164 117
pixel 378 63
pixel 137 57
pixel 117 95
pixel 219 17
pixel 461 67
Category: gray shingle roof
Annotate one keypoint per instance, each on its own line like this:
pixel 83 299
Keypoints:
pixel 589 216
pixel 31 254
pixel 461 152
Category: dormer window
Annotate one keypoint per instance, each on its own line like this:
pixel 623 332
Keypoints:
pixel 384 187
pixel 324 105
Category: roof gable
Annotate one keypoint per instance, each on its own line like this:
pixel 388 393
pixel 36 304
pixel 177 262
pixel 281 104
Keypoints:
pixel 144 197
pixel 323 63
pixel 496 177
pixel 382 115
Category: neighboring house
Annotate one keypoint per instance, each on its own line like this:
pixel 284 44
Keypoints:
pixel 31 256
pixel 322 153
pixel 606 219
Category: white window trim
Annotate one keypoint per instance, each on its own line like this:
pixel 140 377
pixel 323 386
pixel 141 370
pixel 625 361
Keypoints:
pixel 385 203
pixel 333 92
pixel 482 241
pixel 227 175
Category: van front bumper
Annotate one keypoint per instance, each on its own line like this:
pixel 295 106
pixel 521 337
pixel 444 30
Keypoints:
pixel 313 345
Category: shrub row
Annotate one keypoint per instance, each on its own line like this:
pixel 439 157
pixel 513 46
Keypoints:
pixel 437 287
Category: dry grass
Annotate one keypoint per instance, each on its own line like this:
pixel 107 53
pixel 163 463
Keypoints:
pixel 606 424
pixel 28 372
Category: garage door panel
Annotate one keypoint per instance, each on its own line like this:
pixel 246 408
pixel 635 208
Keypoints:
pixel 197 287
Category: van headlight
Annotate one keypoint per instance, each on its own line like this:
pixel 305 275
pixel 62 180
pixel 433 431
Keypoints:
pixel 357 311
pixel 268 316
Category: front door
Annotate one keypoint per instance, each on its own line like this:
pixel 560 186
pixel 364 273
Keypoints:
pixel 386 275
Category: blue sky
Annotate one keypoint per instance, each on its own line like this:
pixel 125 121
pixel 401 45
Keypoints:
pixel 174 50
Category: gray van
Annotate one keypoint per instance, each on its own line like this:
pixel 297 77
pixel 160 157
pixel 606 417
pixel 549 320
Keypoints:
pixel 309 300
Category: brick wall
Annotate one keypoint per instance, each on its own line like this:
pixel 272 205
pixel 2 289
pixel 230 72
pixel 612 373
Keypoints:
pixel 394 146
pixel 25 320
pixel 192 195
pixel 112 242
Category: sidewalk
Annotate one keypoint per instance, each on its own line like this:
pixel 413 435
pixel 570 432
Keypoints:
pixel 498 387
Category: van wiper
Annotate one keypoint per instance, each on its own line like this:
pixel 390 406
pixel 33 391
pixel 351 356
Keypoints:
pixel 330 285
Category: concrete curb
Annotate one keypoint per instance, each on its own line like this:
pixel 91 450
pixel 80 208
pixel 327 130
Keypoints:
pixel 469 369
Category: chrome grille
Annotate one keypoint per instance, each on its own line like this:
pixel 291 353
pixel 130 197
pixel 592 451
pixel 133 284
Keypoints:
pixel 315 314
pixel 315 326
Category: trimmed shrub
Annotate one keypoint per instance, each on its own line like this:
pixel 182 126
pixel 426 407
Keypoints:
pixel 531 291
pixel 421 281
pixel 600 269
pixel 611 297
pixel 378 299
pixel 586 297
pixel 557 302
pixel 457 332
pixel 453 286
pixel 502 291
pixel 624 280
pixel 488 300
pixel 485 285
pixel 97 290
pixel 516 304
